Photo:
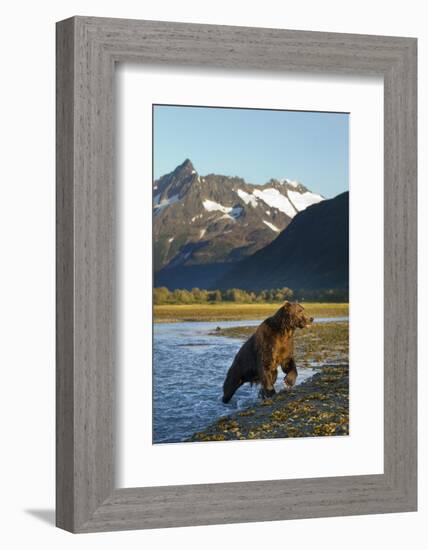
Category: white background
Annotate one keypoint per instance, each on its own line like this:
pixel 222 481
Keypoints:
pixel 362 451
pixel 27 271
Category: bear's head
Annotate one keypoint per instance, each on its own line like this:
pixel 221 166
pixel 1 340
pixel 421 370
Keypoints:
pixel 289 317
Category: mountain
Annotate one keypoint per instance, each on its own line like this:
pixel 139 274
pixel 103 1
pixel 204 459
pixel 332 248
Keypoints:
pixel 311 253
pixel 203 225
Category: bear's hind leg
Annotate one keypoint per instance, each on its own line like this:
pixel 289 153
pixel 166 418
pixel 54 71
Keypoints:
pixel 231 384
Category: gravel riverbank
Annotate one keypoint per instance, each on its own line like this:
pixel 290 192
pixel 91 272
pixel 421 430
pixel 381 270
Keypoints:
pixel 318 407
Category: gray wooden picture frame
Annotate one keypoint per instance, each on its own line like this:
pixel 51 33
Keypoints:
pixel 87 50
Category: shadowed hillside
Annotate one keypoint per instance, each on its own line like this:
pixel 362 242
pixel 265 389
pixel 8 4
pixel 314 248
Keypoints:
pixel 311 253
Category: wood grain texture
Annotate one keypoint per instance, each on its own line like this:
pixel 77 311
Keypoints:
pixel 64 276
pixel 87 49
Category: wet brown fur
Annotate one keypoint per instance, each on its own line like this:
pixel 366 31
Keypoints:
pixel 271 345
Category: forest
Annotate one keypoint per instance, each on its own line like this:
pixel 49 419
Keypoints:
pixel 163 296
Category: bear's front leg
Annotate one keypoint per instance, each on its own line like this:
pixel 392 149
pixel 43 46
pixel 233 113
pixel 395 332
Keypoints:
pixel 290 370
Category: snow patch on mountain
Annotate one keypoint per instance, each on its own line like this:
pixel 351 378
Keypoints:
pixel 303 200
pixel 248 198
pixel 161 204
pixel 232 211
pixel 233 215
pixel 273 227
pixel 273 198
pixel 290 204
pixel 212 206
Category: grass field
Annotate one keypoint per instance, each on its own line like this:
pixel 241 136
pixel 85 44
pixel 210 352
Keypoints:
pixel 237 312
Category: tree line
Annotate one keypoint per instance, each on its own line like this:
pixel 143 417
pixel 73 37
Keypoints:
pixel 162 295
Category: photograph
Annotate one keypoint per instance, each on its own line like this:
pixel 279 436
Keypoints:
pixel 210 267
pixel 250 274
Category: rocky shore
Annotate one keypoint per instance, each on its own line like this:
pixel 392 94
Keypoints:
pixel 318 407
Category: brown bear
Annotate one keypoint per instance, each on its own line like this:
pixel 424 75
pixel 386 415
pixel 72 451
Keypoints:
pixel 271 345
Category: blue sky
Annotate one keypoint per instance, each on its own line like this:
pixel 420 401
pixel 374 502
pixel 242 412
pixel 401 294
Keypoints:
pixel 255 144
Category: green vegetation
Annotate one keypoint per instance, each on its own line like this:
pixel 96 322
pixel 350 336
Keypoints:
pixel 162 296
pixel 231 311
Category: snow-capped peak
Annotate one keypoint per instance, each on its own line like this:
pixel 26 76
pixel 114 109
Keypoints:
pixel 293 183
pixel 219 218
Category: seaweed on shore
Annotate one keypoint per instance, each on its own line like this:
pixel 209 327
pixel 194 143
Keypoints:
pixel 317 407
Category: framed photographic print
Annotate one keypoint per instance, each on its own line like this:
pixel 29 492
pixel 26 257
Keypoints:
pixel 220 257
pixel 236 274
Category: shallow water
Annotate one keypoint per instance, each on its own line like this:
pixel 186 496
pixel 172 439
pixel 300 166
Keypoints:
pixel 189 367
